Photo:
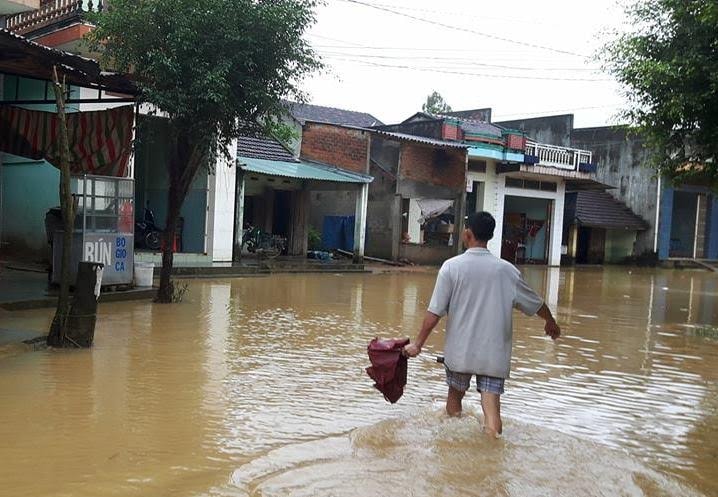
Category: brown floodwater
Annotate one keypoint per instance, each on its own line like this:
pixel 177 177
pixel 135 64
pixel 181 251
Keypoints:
pixel 256 387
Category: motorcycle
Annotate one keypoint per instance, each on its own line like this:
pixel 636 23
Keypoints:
pixel 262 243
pixel 147 234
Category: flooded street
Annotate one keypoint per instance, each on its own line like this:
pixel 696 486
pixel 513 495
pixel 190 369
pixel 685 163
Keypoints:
pixel 257 387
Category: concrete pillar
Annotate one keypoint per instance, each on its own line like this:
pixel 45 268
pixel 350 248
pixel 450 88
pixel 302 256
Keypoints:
pixel 238 216
pixel 414 228
pixel 556 234
pixel 221 211
pixel 360 223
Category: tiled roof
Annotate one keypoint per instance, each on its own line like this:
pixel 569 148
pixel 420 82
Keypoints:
pixel 601 210
pixel 263 148
pixel 318 113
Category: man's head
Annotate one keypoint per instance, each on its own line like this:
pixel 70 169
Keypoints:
pixel 479 229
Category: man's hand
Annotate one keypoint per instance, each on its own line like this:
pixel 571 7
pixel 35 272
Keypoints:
pixel 412 350
pixel 552 329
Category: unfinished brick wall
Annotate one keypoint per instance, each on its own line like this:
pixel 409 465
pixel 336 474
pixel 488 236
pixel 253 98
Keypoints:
pixel 435 166
pixel 337 146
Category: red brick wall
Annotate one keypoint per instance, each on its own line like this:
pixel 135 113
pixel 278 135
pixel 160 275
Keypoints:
pixel 341 147
pixel 434 166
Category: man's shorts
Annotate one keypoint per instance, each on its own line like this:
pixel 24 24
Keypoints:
pixel 462 382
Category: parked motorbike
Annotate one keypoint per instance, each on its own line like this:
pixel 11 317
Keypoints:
pixel 262 243
pixel 147 234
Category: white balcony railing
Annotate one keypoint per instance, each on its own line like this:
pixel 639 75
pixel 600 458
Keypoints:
pixel 558 157
pixel 51 12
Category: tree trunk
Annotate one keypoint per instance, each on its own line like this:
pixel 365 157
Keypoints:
pixel 165 293
pixel 183 166
pixel 58 329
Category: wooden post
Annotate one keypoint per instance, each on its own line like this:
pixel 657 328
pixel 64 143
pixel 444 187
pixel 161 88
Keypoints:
pixel 238 215
pixel 360 223
pixel 83 314
pixel 299 222
pixel 58 328
pixel 459 213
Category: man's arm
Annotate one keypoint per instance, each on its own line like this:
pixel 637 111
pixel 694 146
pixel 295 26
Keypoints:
pixel 430 322
pixel 552 328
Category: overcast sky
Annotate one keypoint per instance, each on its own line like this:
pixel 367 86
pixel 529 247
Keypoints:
pixel 522 58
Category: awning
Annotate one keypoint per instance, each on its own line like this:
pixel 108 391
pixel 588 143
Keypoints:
pixel 22 57
pixel 301 170
pixel 601 210
pixel 100 141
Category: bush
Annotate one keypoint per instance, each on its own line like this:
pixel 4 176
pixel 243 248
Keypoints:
pixel 315 239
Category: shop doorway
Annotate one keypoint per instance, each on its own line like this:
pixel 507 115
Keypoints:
pixel 526 230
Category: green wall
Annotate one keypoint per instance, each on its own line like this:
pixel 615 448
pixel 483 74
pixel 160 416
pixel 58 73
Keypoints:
pixel 619 245
pixel 29 187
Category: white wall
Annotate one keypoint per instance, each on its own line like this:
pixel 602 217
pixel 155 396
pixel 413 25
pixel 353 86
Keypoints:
pixel 493 201
pixel 413 222
pixel 220 208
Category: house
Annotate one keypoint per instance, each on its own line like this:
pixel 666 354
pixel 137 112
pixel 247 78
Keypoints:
pixel 681 220
pixel 298 114
pixel 28 182
pixel 273 191
pixel 520 181
pixel 598 228
pixel 414 178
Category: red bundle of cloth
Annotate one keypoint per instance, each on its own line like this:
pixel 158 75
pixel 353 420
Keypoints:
pixel 388 367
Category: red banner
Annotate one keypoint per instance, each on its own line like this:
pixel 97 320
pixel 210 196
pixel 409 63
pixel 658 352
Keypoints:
pixel 100 141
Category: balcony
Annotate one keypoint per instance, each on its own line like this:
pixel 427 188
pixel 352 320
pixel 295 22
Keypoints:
pixel 570 159
pixel 51 14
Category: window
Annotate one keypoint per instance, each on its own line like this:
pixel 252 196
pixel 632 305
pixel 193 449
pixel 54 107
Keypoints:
pixel 528 184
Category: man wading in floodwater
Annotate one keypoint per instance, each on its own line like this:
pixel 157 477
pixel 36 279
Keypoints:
pixel 478 291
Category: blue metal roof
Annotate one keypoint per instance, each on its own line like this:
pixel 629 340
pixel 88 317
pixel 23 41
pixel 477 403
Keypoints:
pixel 301 170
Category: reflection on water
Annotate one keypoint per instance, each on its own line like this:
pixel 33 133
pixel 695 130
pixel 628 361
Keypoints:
pixel 256 386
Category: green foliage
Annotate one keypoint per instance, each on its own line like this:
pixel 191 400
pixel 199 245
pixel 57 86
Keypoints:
pixel 213 66
pixel 668 64
pixel 435 104
pixel 315 239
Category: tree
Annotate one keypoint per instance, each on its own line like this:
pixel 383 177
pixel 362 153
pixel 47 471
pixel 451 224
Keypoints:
pixel 215 68
pixel 435 104
pixel 668 64
pixel 58 336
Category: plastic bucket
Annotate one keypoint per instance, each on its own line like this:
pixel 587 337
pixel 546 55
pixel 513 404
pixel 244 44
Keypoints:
pixel 144 273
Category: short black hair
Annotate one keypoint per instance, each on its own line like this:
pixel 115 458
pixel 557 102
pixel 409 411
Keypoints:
pixel 482 225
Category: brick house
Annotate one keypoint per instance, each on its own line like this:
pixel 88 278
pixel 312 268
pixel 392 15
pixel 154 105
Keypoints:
pixel 520 181
pixel 406 170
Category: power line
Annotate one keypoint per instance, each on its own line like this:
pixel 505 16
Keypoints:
pixel 465 30
pixel 444 71
pixel 469 61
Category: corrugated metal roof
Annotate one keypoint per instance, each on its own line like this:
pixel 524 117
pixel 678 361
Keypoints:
pixel 602 210
pixel 301 170
pixel 420 139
